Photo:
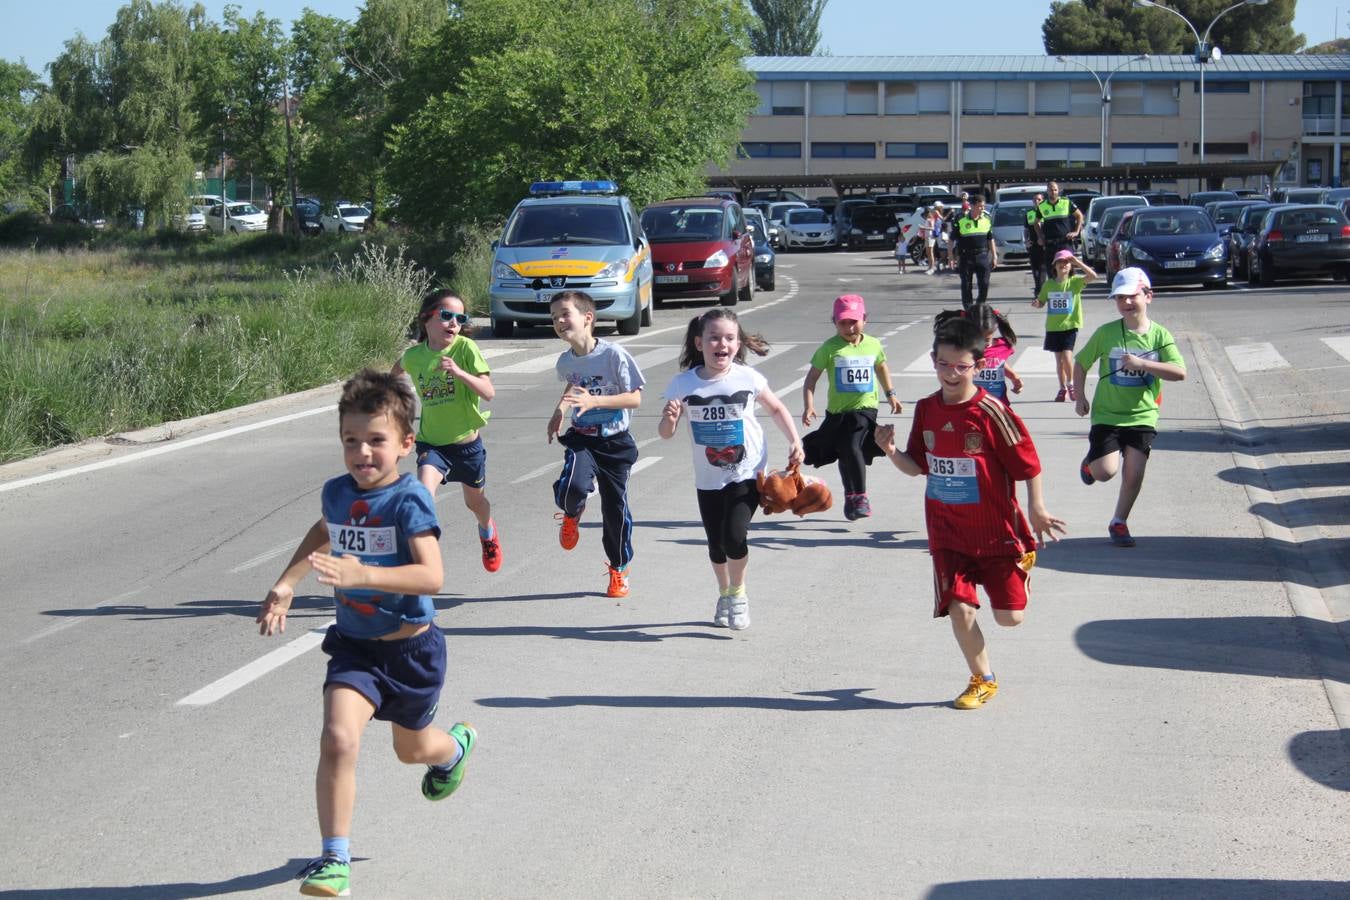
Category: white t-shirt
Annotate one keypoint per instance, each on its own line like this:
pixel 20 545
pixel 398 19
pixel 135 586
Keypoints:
pixel 728 441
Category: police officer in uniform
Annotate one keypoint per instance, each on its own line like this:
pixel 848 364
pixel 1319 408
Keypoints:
pixel 1059 225
pixel 977 253
pixel 1034 252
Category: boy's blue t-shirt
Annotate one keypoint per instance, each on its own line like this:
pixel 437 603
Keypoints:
pixel 607 370
pixel 375 526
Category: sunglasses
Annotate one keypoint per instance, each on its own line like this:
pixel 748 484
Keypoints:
pixel 450 316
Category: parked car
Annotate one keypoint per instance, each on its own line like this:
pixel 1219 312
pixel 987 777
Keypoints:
pixel 701 247
pixel 871 226
pixel 1175 245
pixel 1018 192
pixel 69 214
pixel 1299 195
pixel 806 226
pixel 236 217
pixel 192 220
pixel 1114 246
pixel 1251 194
pixel 1162 198
pixel 843 213
pixel 344 217
pixel 1094 240
pixel 1082 199
pixel 725 194
pixel 1010 219
pixel 308 216
pixel 1106 230
pixel 777 196
pixel 1225 213
pixel 775 212
pixel 827 203
pixel 764 255
pixel 1243 231
pixel 572 235
pixel 1300 240
pixel 1200 198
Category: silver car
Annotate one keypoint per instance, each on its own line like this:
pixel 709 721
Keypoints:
pixel 807 227
pixel 1010 218
pixel 1095 238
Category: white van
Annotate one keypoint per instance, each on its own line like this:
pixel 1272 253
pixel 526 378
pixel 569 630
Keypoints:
pixel 1020 192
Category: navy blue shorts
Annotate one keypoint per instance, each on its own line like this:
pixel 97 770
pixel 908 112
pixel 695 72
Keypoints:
pixel 402 679
pixel 465 463
pixel 1056 341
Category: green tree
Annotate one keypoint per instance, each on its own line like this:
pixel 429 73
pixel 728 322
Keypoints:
pixel 646 92
pixel 19 90
pixel 786 27
pixel 1117 26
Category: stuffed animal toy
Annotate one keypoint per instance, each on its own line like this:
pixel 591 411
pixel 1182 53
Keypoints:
pixel 777 490
pixel 814 496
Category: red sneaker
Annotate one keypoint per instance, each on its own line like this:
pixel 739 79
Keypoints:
pixel 492 550
pixel 618 582
pixel 569 532
pixel 1059 398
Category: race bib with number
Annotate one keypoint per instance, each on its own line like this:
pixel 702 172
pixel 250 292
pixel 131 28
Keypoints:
pixel 1058 303
pixel 952 480
pixel 717 425
pixel 853 374
pixel 1123 377
pixel 362 540
pixel 991 378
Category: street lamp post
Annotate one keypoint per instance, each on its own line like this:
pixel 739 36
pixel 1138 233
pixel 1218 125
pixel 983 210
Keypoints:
pixel 1104 87
pixel 1202 50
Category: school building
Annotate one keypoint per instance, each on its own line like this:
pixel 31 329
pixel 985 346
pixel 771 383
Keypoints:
pixel 873 115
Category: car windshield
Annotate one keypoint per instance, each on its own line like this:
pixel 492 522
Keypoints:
pixel 756 221
pixel 1010 214
pixel 1224 214
pixel 1111 218
pixel 805 217
pixel 1304 196
pixel 668 224
pixel 1309 217
pixel 1172 222
pixel 778 210
pixel 348 212
pixel 244 209
pixel 555 224
pixel 1099 207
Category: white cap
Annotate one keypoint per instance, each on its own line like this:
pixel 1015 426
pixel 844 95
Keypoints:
pixel 939 204
pixel 1130 282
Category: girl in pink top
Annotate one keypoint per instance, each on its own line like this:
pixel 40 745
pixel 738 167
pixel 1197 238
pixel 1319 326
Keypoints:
pixel 994 374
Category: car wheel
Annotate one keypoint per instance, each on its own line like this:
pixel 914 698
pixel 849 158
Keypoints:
pixel 749 293
pixel 633 324
pixel 503 328
pixel 1267 273
pixel 1251 272
pixel 1215 285
pixel 731 296
pixel 647 314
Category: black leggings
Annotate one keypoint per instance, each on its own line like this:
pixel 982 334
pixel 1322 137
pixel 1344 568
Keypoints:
pixel 726 517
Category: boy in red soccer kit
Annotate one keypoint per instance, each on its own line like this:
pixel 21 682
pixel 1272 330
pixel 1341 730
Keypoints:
pixel 974 450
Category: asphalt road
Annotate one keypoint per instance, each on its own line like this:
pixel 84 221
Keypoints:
pixel 1172 720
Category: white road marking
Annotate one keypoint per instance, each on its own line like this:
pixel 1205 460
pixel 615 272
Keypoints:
pixel 1034 361
pixel 531 366
pixel 1255 357
pixel 653 358
pixel 261 558
pixel 223 687
pixel 644 463
pixel 1340 344
pixel 535 473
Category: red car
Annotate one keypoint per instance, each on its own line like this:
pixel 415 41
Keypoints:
pixel 700 248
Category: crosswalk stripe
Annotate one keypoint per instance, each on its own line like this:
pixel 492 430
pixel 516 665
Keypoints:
pixel 1034 361
pixel 1255 357
pixel 1340 344
pixel 653 358
pixel 531 366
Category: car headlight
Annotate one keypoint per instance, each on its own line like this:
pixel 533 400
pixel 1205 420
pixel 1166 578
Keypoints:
pixel 763 257
pixel 1140 254
pixel 716 261
pixel 855 231
pixel 616 269
pixel 1215 252
pixel 502 272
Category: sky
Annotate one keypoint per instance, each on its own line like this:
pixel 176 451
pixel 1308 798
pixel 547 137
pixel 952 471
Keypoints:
pixel 36 33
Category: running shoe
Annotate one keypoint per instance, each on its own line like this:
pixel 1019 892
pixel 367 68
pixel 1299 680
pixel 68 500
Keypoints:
pixel 1085 472
pixel 492 550
pixel 722 618
pixel 618 581
pixel 326 876
pixel 850 507
pixel 1120 534
pixel 740 610
pixel 862 507
pixel 1072 395
pixel 568 533
pixel 1059 398
pixel 438 784
pixel 976 694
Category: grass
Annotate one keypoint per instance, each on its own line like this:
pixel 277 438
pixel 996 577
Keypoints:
pixel 102 335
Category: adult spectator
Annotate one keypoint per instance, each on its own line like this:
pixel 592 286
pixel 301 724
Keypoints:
pixel 1035 253
pixel 1059 226
pixel 977 254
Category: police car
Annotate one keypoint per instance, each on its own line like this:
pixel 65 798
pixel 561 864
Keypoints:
pixel 572 235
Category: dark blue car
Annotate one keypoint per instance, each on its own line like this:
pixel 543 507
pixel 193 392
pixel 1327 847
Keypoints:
pixel 764 255
pixel 1175 245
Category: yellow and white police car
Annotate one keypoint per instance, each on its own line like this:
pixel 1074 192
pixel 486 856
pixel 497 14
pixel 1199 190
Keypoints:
pixel 572 235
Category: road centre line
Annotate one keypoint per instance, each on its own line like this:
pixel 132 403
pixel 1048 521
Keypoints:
pixel 223 687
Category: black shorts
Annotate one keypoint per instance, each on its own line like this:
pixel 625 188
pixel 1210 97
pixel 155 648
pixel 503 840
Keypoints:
pixel 465 463
pixel 1104 440
pixel 1055 341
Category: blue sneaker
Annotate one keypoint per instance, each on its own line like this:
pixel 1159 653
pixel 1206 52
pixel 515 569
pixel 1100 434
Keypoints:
pixel 437 785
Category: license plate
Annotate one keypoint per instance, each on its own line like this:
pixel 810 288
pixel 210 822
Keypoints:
pixel 875 234
pixel 1311 238
pixel 672 279
pixel 543 296
pixel 1179 264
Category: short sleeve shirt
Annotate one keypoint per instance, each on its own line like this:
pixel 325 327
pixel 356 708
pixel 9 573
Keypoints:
pixel 450 411
pixel 851 370
pixel 728 441
pixel 376 526
pixel 1124 396
pixel 607 370
pixel 973 453
pixel 990 374
pixel 1063 303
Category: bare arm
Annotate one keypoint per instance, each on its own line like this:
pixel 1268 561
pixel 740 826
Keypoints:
pixel 1080 403
pixel 480 384
pixel 424 575
pixel 1044 524
pixel 809 395
pixel 272 615
pixel 670 418
pixel 884 435
pixel 783 419
pixel 583 400
pixel 1089 274
pixel 884 379
pixel 1165 371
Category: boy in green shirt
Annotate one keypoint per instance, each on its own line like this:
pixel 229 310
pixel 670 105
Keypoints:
pixel 1136 356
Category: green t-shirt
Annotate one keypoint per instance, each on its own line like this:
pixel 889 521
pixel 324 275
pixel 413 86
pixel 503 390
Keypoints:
pixel 450 410
pixel 851 370
pixel 1063 303
pixel 1126 397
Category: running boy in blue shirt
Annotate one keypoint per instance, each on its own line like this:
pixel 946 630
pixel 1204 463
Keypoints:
pixel 604 384
pixel 376 544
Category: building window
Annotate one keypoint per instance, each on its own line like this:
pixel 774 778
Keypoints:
pixel 1223 87
pixel 911 150
pixel 861 99
pixel 993 156
pixel 1143 153
pixel 1068 98
pixel 843 150
pixel 829 98
pixel 1146 98
pixel 902 98
pixel 935 97
pixel 994 98
pixel 781 98
pixel 1067 156
pixel 1221 148
pixel 771 150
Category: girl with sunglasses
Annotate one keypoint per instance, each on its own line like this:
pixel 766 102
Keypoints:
pixel 451 377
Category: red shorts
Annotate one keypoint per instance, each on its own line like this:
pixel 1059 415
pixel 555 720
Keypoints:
pixel 1006 580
